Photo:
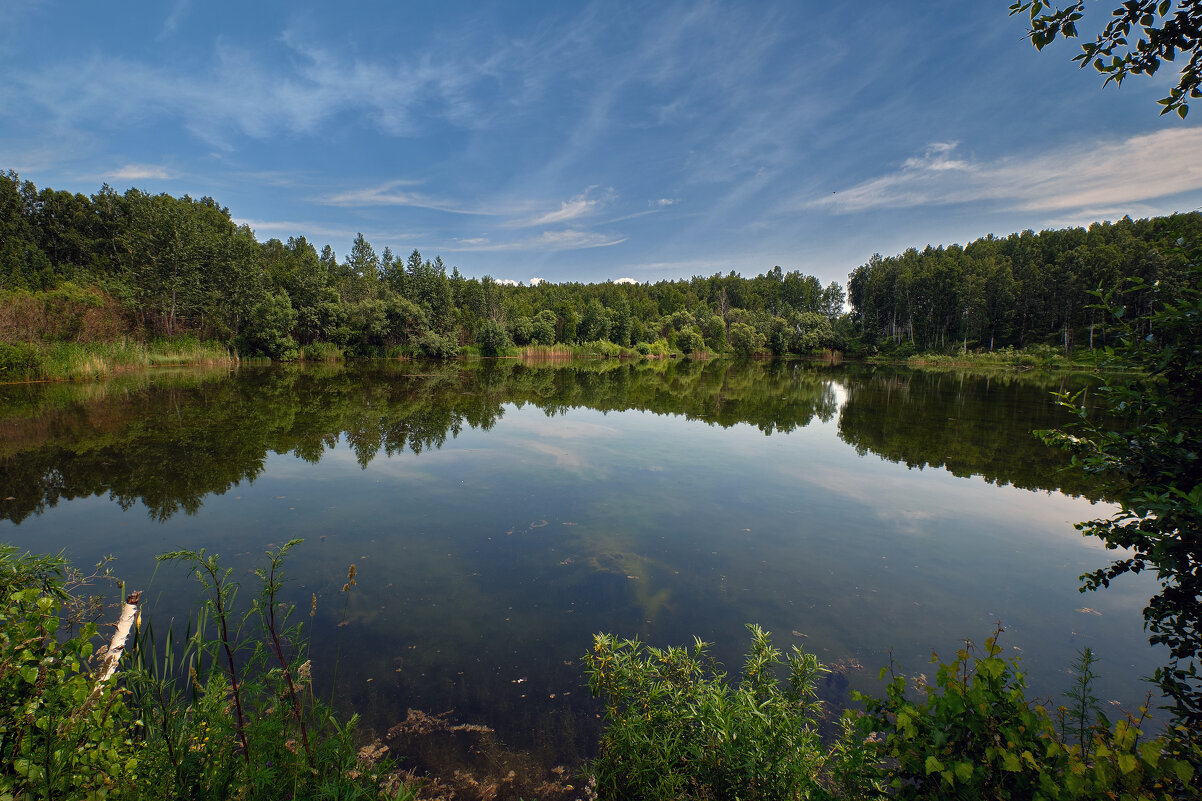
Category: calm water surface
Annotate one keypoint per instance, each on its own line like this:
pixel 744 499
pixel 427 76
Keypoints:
pixel 499 514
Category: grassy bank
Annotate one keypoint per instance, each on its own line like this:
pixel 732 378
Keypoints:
pixel 73 361
pixel 1040 356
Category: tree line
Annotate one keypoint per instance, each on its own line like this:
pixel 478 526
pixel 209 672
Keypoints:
pixel 171 265
pixel 1024 289
pixel 92 268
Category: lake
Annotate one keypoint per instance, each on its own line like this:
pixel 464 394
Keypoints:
pixel 499 513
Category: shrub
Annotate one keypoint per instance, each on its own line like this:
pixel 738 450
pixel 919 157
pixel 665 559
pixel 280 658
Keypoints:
pixel 267 330
pixel 19 362
pixel 58 738
pixel 433 345
pixel 745 340
pixel 689 340
pixel 975 735
pixel 600 347
pixel 321 352
pixel 676 729
pixel 493 339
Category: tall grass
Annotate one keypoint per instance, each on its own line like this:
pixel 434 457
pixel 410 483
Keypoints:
pixel 74 361
pixel 548 352
pixel 1042 356
pixel 227 713
pixel 325 352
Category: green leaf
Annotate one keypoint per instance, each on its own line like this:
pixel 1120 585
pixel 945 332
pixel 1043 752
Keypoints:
pixel 1128 763
pixel 1184 771
pixel 933 765
pixel 1011 762
pixel 963 771
pixel 1150 751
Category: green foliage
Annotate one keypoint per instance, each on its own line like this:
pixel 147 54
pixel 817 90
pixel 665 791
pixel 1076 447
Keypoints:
pixel 676 729
pixel 238 711
pixel 232 714
pixel 19 362
pixel 433 345
pixel 975 735
pixel 493 339
pixel 1166 29
pixel 599 347
pixel 690 340
pixel 60 735
pixel 745 340
pixel 1021 290
pixel 268 331
pixel 1147 445
pixel 321 352
pixel 136 265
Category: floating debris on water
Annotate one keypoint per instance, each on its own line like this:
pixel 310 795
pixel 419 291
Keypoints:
pixel 1085 610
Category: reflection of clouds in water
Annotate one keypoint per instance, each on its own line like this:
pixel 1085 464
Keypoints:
pixel 899 499
pixel 560 428
pixel 562 456
pixel 400 466
pixel 573 440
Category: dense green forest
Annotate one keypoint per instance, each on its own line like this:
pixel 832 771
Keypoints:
pixel 95 269
pixel 1024 289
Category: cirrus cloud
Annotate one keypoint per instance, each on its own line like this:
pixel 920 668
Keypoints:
pixel 1104 174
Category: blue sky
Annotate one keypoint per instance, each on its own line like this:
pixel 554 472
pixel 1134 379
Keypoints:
pixel 573 141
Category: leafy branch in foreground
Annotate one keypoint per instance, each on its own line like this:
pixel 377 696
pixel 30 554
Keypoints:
pixel 1160 36
pixel 1145 439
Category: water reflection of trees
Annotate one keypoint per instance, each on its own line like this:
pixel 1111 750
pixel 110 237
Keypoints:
pixel 967 425
pixel 170 441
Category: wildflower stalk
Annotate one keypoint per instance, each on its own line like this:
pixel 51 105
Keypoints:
pixel 346 604
pixel 271 585
pixel 219 590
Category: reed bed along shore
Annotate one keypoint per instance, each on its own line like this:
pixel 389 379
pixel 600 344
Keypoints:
pixel 75 361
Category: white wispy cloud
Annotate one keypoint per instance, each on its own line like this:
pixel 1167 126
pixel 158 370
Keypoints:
pixel 241 91
pixel 389 194
pixel 1104 174
pixel 171 23
pixel 140 172
pixel 588 202
pixel 566 239
pixel 283 229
